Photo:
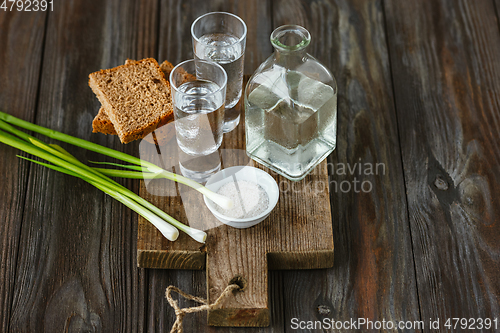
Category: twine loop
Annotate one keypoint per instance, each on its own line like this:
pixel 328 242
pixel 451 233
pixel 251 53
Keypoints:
pixel 180 313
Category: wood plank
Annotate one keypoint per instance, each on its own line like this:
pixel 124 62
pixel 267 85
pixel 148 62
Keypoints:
pixel 177 16
pixel 297 235
pixel 77 263
pixel 175 45
pixel 497 7
pixel 444 60
pixel 373 276
pixel 162 316
pixel 19 79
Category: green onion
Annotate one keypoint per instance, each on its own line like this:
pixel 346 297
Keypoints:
pixel 126 173
pixel 170 232
pixel 222 201
pixel 167 230
pixel 131 167
pixel 69 139
pixel 67 167
pixel 65 161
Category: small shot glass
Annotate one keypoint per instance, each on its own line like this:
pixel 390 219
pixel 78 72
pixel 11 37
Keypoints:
pixel 198 96
pixel 221 37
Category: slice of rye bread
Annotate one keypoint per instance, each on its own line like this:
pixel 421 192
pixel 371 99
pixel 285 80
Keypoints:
pixel 102 123
pixel 135 96
pixel 162 135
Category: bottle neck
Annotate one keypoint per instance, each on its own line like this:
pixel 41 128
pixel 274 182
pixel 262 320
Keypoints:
pixel 290 43
pixel 290 59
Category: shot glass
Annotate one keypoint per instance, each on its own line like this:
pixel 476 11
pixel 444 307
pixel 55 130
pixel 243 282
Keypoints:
pixel 221 37
pixel 198 95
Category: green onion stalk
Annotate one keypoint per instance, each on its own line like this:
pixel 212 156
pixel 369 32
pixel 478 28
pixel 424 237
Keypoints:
pixel 63 161
pixel 156 171
pixel 166 229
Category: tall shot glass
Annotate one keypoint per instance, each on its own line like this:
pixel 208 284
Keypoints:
pixel 221 37
pixel 198 95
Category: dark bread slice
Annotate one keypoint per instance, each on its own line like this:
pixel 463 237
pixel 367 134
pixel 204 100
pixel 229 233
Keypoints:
pixel 102 123
pixel 135 96
pixel 166 67
pixel 161 135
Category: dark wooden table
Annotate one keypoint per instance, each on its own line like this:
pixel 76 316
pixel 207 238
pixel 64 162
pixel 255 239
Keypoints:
pixel 419 91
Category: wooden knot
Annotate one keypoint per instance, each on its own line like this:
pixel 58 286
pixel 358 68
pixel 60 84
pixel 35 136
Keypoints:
pixel 324 310
pixel 440 183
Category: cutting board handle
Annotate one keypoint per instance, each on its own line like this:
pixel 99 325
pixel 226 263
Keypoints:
pixel 249 307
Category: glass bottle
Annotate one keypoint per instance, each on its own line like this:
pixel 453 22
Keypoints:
pixel 291 107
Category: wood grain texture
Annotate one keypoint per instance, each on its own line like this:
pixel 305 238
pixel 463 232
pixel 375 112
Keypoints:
pixel 177 16
pixel 497 7
pixel 68 253
pixel 297 235
pixel 175 45
pixel 373 273
pixel 444 59
pixel 76 268
pixel 19 79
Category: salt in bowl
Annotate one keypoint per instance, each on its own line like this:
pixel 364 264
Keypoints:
pixel 243 173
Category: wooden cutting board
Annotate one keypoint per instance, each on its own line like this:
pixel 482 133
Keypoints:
pixel 297 235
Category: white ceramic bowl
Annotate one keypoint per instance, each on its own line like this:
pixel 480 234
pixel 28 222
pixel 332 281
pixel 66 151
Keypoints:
pixel 247 173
